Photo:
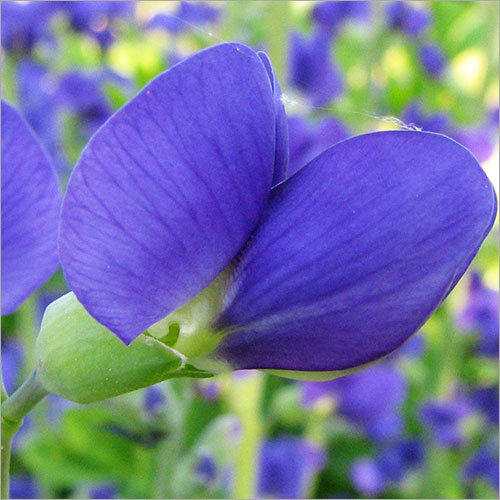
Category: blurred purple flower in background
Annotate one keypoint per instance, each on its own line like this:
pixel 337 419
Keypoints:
pixel 81 93
pixel 480 140
pixel 103 490
pixel 331 15
pixel 480 314
pixel 444 419
pixel 484 464
pixel 367 478
pixel 12 356
pixel 287 466
pixel 206 469
pixel 312 68
pixel 209 389
pixel 154 401
pixel 31 201
pixel 94 18
pixel 308 139
pixel 24 24
pixel 432 59
pixel 486 400
pixel 370 399
pixel 37 95
pixel 23 487
pixel 413 21
pixel 371 476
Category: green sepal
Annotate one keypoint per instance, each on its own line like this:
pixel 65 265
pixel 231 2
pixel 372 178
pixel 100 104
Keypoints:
pixel 81 360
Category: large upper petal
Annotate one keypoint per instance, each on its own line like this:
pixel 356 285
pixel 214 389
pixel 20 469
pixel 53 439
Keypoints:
pixel 169 189
pixel 31 200
pixel 355 251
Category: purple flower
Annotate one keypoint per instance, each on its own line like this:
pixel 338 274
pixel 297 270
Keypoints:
pixel 93 17
pixel 312 69
pixel 24 24
pixel 436 122
pixel 287 466
pixel 481 314
pixel 484 464
pixel 367 478
pixel 206 469
pixel 37 96
pixel 373 475
pixel 307 139
pixel 433 59
pixel 30 211
pixel 12 356
pixel 370 237
pixel 480 140
pixel 444 419
pixel 330 15
pixel 370 399
pixel 154 400
pixel 23 487
pixel 485 399
pixel 209 389
pixel 103 490
pixel 404 16
pixel 81 93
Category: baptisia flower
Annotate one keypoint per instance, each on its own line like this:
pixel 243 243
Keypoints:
pixel 328 270
pixel 31 201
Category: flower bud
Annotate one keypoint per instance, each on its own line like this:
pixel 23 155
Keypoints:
pixel 81 360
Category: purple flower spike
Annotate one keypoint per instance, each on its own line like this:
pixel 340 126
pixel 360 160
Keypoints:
pixel 369 237
pixel 170 188
pixel 31 201
pixel 433 59
pixel 287 467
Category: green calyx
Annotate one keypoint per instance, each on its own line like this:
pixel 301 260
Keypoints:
pixel 189 331
pixel 81 360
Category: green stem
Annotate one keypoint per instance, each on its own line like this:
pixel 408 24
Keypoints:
pixel 14 408
pixel 245 398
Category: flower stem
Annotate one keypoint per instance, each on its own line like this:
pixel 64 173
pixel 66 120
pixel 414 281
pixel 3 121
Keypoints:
pixel 245 399
pixel 14 408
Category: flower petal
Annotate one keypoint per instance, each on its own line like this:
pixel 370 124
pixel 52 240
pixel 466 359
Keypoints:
pixel 355 251
pixel 169 189
pixel 282 149
pixel 31 200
